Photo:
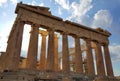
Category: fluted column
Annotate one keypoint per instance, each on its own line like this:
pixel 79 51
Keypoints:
pixel 78 56
pixel 56 61
pixel 33 48
pixel 65 53
pixel 108 61
pixel 12 55
pixel 42 64
pixel 99 60
pixel 50 55
pixel 89 59
pixel 14 46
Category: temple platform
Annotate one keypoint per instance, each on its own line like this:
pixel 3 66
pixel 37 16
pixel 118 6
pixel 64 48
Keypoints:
pixel 35 75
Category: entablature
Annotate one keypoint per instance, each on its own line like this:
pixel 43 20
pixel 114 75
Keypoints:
pixel 30 15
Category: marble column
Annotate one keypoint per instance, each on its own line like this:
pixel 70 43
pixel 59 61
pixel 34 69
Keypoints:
pixel 50 55
pixel 33 48
pixel 78 56
pixel 99 60
pixel 108 60
pixel 14 46
pixel 89 59
pixel 42 65
pixel 56 61
pixel 65 53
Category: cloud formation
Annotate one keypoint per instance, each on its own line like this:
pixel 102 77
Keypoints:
pixel 63 3
pixel 102 19
pixel 59 11
pixel 41 4
pixel 14 1
pixel 115 52
pixel 2 2
pixel 79 11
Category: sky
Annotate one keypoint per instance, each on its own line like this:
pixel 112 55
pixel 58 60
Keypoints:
pixel 91 13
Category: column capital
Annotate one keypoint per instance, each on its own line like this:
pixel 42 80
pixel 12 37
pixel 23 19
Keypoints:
pixel 35 25
pixel 86 39
pixel 105 44
pixel 56 36
pixel 76 36
pixel 35 28
pixel 43 33
pixel 101 43
pixel 64 33
pixel 97 42
pixel 50 29
pixel 19 20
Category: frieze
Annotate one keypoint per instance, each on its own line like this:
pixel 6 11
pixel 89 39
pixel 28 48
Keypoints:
pixel 49 22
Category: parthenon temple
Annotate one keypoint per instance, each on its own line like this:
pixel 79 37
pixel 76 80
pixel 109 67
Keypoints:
pixel 55 66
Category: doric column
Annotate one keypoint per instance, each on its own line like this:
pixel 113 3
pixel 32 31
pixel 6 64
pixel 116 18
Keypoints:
pixel 65 53
pixel 33 48
pixel 108 60
pixel 89 59
pixel 50 55
pixel 42 65
pixel 78 56
pixel 14 46
pixel 99 60
pixel 56 61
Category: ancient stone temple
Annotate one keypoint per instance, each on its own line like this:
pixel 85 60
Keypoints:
pixel 49 67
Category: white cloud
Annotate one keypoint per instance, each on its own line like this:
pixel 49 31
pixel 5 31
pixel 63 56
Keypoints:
pixel 2 1
pixel 79 10
pixel 63 3
pixel 14 1
pixel 102 19
pixel 35 3
pixel 41 4
pixel 115 52
pixel 79 13
pixel 32 3
pixel 59 11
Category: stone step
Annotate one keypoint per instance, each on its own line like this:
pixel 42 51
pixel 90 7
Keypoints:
pixel 11 80
pixel 5 80
pixel 8 73
pixel 16 77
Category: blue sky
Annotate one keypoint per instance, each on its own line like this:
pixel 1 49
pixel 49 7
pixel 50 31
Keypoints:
pixel 91 13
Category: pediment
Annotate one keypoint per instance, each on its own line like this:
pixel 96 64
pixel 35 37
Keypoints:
pixel 32 8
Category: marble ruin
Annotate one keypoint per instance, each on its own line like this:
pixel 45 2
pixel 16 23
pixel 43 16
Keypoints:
pixel 50 69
